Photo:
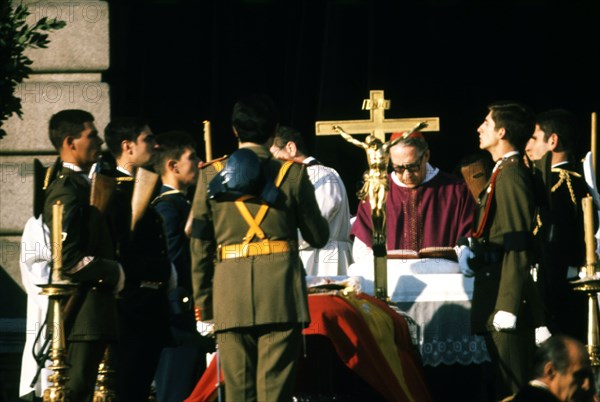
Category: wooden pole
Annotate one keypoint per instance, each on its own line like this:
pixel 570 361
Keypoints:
pixel 207 141
pixel 590 240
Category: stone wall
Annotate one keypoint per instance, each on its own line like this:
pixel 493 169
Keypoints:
pixel 67 75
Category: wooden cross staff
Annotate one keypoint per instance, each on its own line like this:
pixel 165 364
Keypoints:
pixel 377 125
pixel 377 151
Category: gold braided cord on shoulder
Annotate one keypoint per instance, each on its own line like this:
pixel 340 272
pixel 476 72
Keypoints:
pixel 47 178
pixel 565 177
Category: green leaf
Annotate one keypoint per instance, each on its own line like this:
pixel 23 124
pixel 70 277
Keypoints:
pixel 15 37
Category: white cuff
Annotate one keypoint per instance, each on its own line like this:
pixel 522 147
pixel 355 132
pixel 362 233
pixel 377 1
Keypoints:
pixel 504 320
pixel 541 335
pixel 205 328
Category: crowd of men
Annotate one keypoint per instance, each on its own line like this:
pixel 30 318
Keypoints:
pixel 158 268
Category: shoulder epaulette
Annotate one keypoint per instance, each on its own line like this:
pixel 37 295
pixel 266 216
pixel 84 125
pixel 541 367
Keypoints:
pixel 512 159
pixel 163 195
pixel 64 178
pixel 123 178
pixel 215 162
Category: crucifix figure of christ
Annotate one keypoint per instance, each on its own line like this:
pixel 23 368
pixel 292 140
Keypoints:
pixel 376 183
pixel 377 149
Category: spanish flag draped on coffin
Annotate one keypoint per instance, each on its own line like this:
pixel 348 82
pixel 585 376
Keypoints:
pixel 370 339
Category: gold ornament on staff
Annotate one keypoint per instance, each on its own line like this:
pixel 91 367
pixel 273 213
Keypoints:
pixel 590 283
pixel 105 389
pixel 207 141
pixel 57 290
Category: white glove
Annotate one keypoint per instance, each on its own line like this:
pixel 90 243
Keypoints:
pixel 504 320
pixel 464 253
pixel 205 328
pixel 541 334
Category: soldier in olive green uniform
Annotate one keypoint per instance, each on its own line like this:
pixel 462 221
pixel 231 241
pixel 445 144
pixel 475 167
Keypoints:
pixel 506 307
pixel 247 275
pixel 87 251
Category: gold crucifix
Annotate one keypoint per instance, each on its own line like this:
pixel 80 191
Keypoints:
pixel 377 125
pixel 378 155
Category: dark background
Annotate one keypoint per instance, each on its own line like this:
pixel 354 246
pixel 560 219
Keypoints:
pixel 182 62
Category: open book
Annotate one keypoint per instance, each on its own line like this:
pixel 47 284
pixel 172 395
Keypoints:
pixel 447 253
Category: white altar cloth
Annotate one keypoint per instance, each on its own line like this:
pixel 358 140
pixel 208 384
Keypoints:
pixel 438 297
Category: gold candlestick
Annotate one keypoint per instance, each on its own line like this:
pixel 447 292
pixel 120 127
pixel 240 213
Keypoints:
pixel 57 290
pixel 105 384
pixel 590 283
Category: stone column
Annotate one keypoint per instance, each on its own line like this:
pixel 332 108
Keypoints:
pixel 67 75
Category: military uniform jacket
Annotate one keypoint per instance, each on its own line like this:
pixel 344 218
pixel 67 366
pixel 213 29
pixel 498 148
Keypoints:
pixel 265 289
pixel 563 233
pixel 561 245
pixel 174 209
pixel 144 257
pixel 93 316
pixel 506 284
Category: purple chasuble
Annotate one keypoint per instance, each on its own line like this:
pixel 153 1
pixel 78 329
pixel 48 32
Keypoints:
pixel 434 214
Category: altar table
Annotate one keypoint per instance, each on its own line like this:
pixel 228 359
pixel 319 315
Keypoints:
pixel 437 296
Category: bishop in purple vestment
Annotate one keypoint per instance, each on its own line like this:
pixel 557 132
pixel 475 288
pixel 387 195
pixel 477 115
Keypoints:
pixel 425 207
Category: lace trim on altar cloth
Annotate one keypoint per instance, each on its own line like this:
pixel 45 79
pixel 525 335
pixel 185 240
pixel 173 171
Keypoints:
pixel 460 350
pixel 445 333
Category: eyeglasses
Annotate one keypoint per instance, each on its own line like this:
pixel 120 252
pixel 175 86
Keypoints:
pixel 411 167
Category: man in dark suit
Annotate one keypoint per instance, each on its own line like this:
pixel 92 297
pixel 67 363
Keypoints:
pixel 143 303
pixel 88 258
pixel 561 236
pixel 247 275
pixel 561 367
pixel 506 308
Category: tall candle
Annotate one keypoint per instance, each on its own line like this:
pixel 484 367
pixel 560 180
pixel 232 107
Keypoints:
pixel 57 214
pixel 590 241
